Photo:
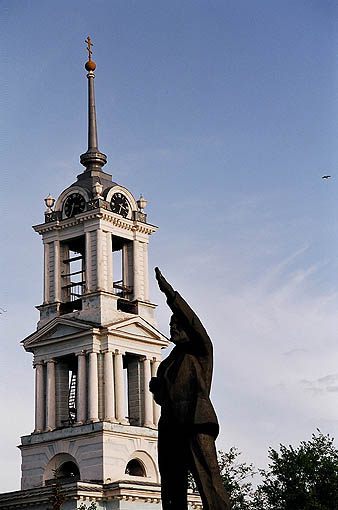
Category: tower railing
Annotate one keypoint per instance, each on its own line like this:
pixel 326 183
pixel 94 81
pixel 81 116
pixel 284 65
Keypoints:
pixel 75 281
pixel 76 289
pixel 122 290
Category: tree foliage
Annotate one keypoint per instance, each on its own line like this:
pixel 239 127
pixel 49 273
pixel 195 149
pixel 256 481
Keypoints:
pixel 305 478
pixel 237 477
pixel 302 478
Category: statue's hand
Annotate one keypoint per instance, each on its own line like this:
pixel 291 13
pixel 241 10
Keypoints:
pixel 156 388
pixel 165 287
pixel 153 384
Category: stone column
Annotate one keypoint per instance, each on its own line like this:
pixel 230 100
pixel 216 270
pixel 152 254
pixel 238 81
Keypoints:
pixel 46 296
pixel 81 385
pixel 148 400
pixel 57 272
pixel 88 271
pixel 109 400
pixel 50 395
pixel 136 272
pixel 119 388
pixel 156 407
pixel 93 388
pixel 39 397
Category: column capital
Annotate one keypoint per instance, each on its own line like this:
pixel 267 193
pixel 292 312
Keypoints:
pixel 81 353
pixel 118 351
pixel 94 350
pixel 38 363
pixel 51 360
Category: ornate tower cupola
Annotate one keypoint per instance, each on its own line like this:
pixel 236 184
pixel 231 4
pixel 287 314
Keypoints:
pixel 95 241
pixel 96 345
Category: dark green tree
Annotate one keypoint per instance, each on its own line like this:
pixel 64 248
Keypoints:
pixel 237 477
pixel 305 478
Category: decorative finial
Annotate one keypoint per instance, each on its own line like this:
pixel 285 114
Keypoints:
pixel 49 201
pixel 90 65
pixel 142 202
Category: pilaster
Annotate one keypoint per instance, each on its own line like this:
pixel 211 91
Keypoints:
pixel 46 286
pixel 89 262
pixel 57 268
pixel 137 270
pixel 145 271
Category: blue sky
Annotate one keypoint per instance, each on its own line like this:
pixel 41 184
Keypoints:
pixel 224 114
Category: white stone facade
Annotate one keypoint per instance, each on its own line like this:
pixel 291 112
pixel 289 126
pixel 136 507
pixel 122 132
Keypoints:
pixel 105 360
pixel 95 350
pixel 100 450
pixel 96 230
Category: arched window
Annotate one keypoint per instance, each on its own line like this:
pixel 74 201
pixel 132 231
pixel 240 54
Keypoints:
pixel 68 470
pixel 61 467
pixel 135 468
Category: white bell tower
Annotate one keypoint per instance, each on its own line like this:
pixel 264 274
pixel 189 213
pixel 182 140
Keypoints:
pixel 96 345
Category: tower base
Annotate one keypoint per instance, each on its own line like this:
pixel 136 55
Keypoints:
pixel 85 495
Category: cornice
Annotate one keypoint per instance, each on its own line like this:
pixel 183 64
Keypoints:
pixel 99 214
pixel 123 490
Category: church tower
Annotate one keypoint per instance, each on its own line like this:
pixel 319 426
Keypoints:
pixel 95 348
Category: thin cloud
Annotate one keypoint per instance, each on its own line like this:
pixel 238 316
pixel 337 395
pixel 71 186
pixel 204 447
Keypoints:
pixel 321 385
pixel 296 352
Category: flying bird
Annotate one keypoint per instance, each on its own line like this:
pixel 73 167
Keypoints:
pixel 326 176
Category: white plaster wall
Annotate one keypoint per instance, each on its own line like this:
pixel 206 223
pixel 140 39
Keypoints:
pixel 87 451
pixel 101 452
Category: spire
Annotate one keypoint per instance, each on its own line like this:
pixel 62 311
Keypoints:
pixel 93 159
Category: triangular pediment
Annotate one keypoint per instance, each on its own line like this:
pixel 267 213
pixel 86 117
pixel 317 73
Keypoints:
pixel 138 328
pixel 58 329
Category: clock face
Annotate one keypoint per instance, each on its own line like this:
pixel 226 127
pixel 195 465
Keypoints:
pixel 119 204
pixel 74 204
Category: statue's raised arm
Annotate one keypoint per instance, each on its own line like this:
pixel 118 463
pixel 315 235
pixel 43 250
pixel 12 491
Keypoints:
pixel 164 286
pixel 185 321
pixel 188 425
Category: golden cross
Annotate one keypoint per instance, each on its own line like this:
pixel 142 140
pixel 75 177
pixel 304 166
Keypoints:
pixel 89 44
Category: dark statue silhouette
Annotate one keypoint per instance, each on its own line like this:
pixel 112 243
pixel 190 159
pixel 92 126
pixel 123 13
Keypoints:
pixel 188 425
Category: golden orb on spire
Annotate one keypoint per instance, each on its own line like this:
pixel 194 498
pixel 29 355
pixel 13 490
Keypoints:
pixel 90 65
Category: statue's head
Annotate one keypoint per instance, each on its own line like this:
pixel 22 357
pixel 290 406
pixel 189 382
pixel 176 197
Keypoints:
pixel 178 334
